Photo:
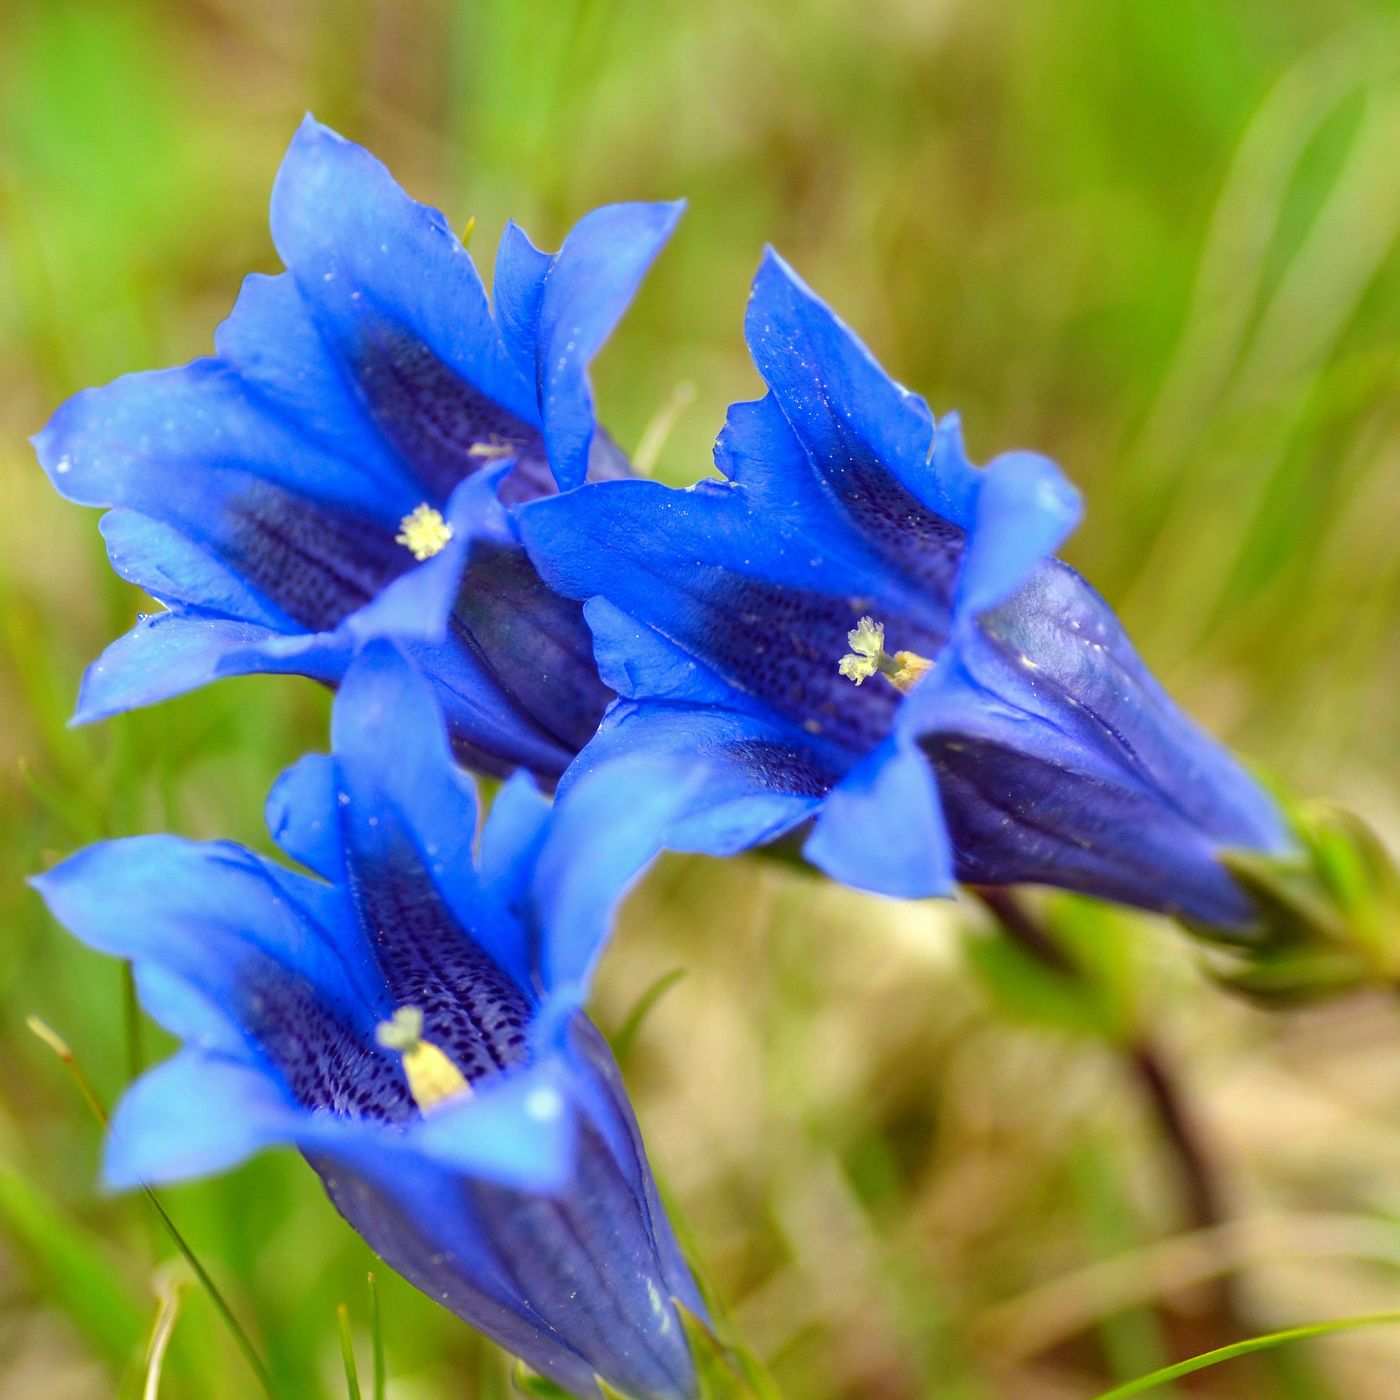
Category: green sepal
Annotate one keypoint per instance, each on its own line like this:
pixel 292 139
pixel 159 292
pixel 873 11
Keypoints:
pixel 1328 913
pixel 537 1387
pixel 723 1371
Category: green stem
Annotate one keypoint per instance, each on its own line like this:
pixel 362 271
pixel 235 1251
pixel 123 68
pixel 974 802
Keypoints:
pixel 1199 1189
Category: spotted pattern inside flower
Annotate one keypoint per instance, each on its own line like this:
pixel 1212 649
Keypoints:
pixel 472 1009
pixel 780 767
pixel 444 427
pixel 921 544
pixel 316 562
pixel 327 1064
pixel 782 645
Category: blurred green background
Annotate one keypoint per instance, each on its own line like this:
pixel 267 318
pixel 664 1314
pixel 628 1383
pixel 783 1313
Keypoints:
pixel 1156 239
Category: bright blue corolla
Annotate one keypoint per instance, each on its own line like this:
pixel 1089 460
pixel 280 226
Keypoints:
pixel 1008 734
pixel 411 1022
pixel 332 474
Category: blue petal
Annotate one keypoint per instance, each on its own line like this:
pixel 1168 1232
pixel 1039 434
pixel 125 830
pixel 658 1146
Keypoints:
pixel 200 913
pixel 1081 653
pixel 517 290
pixel 172 652
pixel 594 276
pixel 1024 510
pixel 132 443
pixel 637 661
pixel 602 832
pixel 155 556
pixel 755 781
pixel 519 1130
pixel 788 491
pixel 194 1115
pixel 853 419
pixel 303 815
pixel 410 789
pixel 385 275
pixel 272 342
pixel 418 603
pixel 765 612
pixel 881 828
pixel 511 838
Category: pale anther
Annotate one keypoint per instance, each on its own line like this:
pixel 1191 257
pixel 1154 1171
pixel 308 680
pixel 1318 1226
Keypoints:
pixel 423 532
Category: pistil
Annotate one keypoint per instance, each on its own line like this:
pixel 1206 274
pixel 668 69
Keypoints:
pixel 867 657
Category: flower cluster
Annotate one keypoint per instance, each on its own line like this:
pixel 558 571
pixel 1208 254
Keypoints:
pixel 853 639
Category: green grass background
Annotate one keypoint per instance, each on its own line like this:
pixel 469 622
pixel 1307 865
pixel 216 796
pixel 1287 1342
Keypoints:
pixel 1153 238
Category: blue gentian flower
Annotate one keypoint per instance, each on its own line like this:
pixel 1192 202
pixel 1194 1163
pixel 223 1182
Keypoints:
pixel 411 1022
pixel 332 473
pixel 1009 734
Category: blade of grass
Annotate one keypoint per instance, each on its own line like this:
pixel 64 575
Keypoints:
pixel 60 1047
pixel 347 1351
pixel 1251 1344
pixel 376 1332
pixel 627 1032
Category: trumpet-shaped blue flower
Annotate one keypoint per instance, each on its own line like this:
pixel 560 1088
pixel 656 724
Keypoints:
pixel 411 1022
pixel 859 630
pixel 331 475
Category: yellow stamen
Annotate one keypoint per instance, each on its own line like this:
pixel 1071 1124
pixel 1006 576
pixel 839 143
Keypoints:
pixel 867 656
pixel 433 1079
pixel 423 532
pixel 912 669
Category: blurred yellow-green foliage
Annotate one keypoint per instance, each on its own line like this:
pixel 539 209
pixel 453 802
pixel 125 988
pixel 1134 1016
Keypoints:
pixel 1153 238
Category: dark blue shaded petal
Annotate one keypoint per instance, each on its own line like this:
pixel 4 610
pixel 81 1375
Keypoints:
pixel 516 669
pixel 1090 681
pixel 174 569
pixel 596 1260
pixel 867 439
pixel 239 957
pixel 1132 804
